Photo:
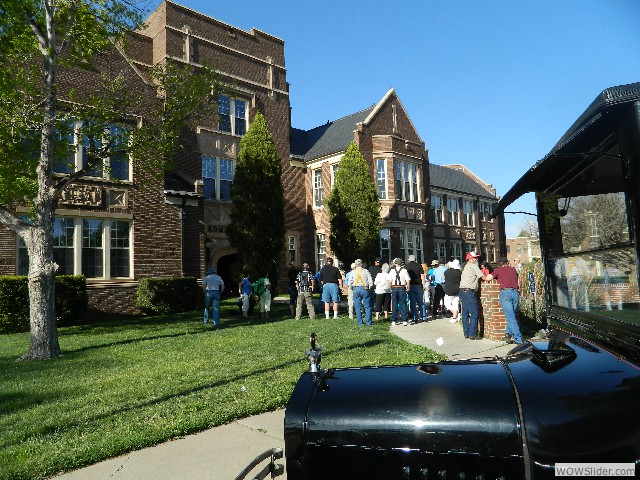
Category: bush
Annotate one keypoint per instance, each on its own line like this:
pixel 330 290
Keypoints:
pixel 71 301
pixel 167 295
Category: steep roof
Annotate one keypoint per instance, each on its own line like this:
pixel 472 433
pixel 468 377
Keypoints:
pixel 457 180
pixel 326 139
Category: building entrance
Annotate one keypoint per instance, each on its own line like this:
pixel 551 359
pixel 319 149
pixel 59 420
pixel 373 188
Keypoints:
pixel 229 272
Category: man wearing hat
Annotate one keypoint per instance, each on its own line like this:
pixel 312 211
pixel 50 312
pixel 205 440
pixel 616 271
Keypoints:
pixel 304 284
pixel 469 282
pixel 399 282
pixel 507 277
pixel 213 286
pixel 374 270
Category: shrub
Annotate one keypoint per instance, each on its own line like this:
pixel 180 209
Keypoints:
pixel 527 299
pixel 71 301
pixel 167 295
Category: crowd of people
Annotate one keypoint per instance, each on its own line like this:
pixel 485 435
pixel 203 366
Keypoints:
pixel 401 293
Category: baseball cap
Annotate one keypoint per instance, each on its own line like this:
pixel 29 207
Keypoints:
pixel 472 254
pixel 210 271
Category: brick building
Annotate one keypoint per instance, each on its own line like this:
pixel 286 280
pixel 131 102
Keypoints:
pixel 118 232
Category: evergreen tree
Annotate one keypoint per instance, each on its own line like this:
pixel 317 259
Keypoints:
pixel 257 212
pixel 354 209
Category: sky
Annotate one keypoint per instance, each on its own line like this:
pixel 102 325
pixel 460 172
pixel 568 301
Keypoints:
pixel 489 84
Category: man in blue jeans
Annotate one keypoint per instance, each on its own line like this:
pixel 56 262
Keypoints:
pixel 469 283
pixel 507 277
pixel 213 286
pixel 360 281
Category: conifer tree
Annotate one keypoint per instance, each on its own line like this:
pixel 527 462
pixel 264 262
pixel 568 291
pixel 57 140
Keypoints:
pixel 354 209
pixel 257 212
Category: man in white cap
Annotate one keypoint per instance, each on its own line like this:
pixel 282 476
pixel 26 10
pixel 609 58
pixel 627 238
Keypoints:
pixel 469 282
pixel 213 286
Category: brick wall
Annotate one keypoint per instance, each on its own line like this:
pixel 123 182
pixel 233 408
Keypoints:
pixel 491 315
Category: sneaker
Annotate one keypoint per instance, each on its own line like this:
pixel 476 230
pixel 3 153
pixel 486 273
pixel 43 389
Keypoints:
pixel 453 320
pixel 405 323
pixel 508 338
pixel 393 323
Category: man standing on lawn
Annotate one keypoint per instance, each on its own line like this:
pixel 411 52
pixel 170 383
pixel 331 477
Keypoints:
pixel 213 286
pixel 331 280
pixel 304 284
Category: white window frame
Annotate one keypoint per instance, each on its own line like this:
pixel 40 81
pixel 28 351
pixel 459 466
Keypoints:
pixel 407 182
pixel 334 171
pixel 237 115
pixel 385 245
pixel 455 250
pixel 453 217
pixel 79 154
pixel 321 250
pixel 411 243
pixel 381 178
pixel 439 249
pixel 437 203
pixel 467 213
pixel 77 246
pixel 318 198
pixel 219 165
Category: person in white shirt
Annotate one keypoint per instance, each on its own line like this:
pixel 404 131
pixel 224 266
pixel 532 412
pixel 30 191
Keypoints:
pixel 213 286
pixel 383 292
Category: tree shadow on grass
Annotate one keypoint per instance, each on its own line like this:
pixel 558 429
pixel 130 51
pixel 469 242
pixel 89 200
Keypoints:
pixel 53 429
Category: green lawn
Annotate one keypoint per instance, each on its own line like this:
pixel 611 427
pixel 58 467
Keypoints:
pixel 128 384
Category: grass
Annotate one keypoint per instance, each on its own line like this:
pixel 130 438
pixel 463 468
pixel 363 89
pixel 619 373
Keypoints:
pixel 131 383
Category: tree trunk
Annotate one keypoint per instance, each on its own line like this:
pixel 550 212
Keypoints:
pixel 44 334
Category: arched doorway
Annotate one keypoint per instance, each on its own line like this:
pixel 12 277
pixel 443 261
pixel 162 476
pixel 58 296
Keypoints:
pixel 226 267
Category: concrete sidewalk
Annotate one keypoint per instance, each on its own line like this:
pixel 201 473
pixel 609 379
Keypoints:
pixel 221 453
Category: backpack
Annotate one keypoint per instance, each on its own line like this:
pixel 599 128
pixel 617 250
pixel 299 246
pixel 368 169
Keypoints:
pixel 304 281
pixel 259 287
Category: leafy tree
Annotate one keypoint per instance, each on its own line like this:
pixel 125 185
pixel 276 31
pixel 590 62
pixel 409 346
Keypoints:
pixel 39 39
pixel 354 209
pixel 257 212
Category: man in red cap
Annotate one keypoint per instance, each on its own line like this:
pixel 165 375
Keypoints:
pixel 469 282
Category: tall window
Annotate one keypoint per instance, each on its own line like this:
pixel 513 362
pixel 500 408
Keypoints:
pixel 411 243
pixel 78 154
pixel 119 260
pixel 455 251
pixel 232 115
pixel 317 188
pixel 436 206
pixel 439 250
pixel 467 213
pixel 63 229
pixel 406 181
pixel 321 252
pixel 96 248
pixel 469 247
pixel 384 245
pixel 334 172
pixel 217 186
pixel 452 211
pixel 292 249
pixel 381 178
pixel 92 248
pixel 486 210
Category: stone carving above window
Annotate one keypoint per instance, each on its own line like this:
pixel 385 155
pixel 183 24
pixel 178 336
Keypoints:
pixel 470 235
pixel 117 198
pixel 84 195
pixel 410 213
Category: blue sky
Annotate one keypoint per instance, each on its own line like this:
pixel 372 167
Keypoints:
pixel 489 84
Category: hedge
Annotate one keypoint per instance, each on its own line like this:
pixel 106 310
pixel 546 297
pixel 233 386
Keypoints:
pixel 167 295
pixel 71 301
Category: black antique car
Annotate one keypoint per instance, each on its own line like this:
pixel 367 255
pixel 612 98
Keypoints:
pixel 571 398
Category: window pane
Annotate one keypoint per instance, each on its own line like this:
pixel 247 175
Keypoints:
pixel 317 188
pixel 120 248
pixel 64 161
pixel 226 178
pixel 224 113
pixel 209 177
pixel 240 120
pixel 399 182
pixel 381 178
pixel 63 229
pixel 92 248
pixel 384 245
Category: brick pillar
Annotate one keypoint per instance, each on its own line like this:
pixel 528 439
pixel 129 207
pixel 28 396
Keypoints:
pixel 491 314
